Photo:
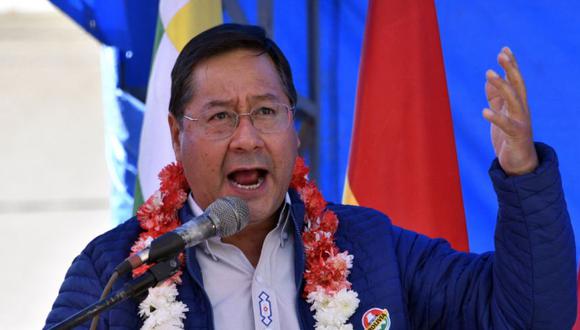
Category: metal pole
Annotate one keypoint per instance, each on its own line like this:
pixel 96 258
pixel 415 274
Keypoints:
pixel 314 81
pixel 233 8
pixel 265 19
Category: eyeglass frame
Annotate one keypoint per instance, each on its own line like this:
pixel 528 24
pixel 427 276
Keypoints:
pixel 289 110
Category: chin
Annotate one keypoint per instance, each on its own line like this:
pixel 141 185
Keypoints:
pixel 259 214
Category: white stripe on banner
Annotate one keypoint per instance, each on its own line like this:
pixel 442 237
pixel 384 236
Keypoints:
pixel 181 20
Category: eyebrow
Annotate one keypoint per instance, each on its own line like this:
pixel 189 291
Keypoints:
pixel 230 103
pixel 217 103
pixel 265 97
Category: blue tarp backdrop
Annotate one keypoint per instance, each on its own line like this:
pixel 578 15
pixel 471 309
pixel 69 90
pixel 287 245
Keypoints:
pixel 543 35
pixel 545 39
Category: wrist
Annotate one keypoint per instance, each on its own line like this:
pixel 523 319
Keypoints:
pixel 526 164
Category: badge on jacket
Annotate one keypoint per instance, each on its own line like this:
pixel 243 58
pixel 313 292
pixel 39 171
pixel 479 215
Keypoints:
pixel 376 319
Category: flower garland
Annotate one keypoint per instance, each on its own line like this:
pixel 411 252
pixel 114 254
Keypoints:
pixel 326 287
pixel 157 216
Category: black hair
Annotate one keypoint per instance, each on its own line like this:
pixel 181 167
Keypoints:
pixel 216 41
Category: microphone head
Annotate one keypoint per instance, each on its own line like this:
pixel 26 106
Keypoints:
pixel 231 214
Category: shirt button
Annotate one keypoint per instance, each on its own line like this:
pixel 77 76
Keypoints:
pixel 259 279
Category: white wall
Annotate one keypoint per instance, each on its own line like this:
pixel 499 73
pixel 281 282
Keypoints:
pixel 53 177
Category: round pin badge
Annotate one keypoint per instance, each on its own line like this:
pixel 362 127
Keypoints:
pixel 376 319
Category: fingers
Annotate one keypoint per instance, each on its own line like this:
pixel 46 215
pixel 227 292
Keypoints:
pixel 507 97
pixel 500 120
pixel 500 92
pixel 507 61
pixel 508 52
pixel 496 102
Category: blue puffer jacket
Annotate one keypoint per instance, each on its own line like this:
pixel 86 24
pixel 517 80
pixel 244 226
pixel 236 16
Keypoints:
pixel 528 283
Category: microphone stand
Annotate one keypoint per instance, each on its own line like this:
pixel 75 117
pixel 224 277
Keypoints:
pixel 161 271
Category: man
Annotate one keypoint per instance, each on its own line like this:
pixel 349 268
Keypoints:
pixel 231 125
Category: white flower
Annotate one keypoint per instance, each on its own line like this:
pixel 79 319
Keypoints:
pixel 345 302
pixel 318 299
pixel 341 327
pixel 348 258
pixel 333 311
pixel 142 243
pixel 162 310
pixel 157 199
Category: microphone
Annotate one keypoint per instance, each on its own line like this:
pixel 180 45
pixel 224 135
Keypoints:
pixel 224 217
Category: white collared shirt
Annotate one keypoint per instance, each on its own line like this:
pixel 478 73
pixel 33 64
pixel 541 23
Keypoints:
pixel 244 297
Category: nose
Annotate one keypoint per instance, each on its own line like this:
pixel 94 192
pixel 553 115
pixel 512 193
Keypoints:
pixel 246 137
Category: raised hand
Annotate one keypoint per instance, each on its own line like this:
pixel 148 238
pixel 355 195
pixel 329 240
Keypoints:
pixel 509 115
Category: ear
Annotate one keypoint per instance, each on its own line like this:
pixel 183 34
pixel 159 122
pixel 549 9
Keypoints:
pixel 175 131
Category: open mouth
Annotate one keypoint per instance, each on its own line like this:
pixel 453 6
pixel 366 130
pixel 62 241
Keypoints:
pixel 248 179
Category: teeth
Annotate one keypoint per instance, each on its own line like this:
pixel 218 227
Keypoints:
pixel 249 187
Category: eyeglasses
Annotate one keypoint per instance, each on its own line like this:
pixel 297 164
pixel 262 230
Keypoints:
pixel 220 122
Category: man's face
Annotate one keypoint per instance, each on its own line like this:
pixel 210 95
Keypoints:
pixel 254 166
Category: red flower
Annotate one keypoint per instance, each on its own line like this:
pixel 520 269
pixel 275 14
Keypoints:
pixel 159 215
pixel 330 275
pixel 309 237
pixel 299 174
pixel 313 200
pixel 322 249
pixel 140 244
pixel 172 178
pixel 328 222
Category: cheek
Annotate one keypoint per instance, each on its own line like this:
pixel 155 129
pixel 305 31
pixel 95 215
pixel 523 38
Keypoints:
pixel 202 159
pixel 287 152
pixel 211 164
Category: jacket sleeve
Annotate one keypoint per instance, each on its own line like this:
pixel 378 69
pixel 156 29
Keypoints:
pixel 88 275
pixel 80 289
pixel 528 283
